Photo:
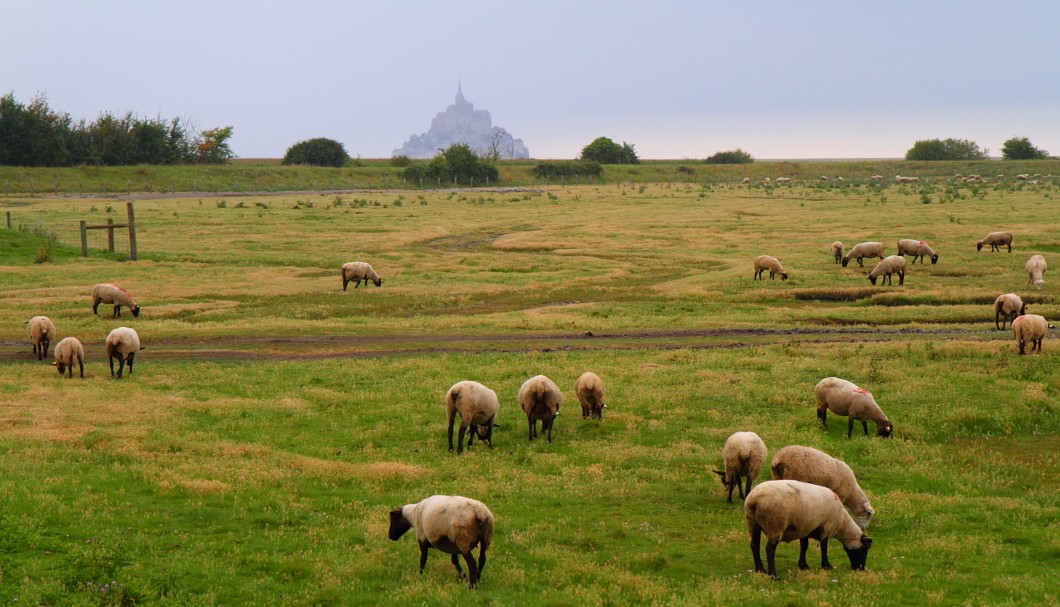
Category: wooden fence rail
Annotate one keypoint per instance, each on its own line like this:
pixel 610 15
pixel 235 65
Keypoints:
pixel 110 226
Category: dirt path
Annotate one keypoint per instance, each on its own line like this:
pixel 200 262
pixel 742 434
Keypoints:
pixel 264 347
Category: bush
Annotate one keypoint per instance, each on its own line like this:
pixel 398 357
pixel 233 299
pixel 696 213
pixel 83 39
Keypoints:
pixel 400 160
pixel 736 156
pixel 945 149
pixel 456 164
pixel 321 152
pixel 577 168
pixel 605 151
pixel 1020 148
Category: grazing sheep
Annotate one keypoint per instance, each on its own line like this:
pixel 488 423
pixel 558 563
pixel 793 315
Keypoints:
pixel 810 465
pixel 766 180
pixel 845 398
pixel 67 352
pixel 1023 176
pixel 794 510
pixel 449 523
pixel 917 248
pixel 746 180
pixel 477 406
pixel 768 262
pixel 824 177
pixel 901 179
pixel 1006 308
pixel 123 343
pixel 590 390
pixel 782 179
pixel 1035 268
pixel 743 454
pixel 876 177
pixel 837 251
pixel 41 332
pixel 113 294
pixel 357 271
pixel 893 264
pixel 540 399
pixel 996 240
pixel 1032 328
pixel 862 250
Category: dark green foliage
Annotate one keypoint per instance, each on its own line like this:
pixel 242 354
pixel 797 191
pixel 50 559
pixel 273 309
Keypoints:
pixel 320 151
pixel 457 164
pixel 36 135
pixel 945 149
pixel 736 156
pixel 401 160
pixel 605 151
pixel 1020 148
pixel 557 170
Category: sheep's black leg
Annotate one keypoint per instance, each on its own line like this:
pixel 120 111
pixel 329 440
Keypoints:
pixel 1010 247
pixel 730 487
pixel 549 429
pixel 131 362
pixel 117 312
pixel 121 366
pixel 747 491
pixel 861 264
pixel 865 427
pixel 824 555
pixel 423 555
pixel 473 432
pixel 81 365
pixel 771 557
pixel 822 414
pixel 1022 344
pixel 481 560
pixel 111 361
pixel 901 277
pixel 456 563
pixel 756 543
pixel 489 438
pixel 530 436
pixel 472 569
pixel 804 544
pixel 95 306
pixel 451 421
pixel 850 426
pixel 460 439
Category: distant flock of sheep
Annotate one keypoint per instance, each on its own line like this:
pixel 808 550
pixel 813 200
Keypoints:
pixel 809 495
pixel 1031 328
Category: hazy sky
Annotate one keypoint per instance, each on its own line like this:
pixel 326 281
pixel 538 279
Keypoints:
pixel 786 79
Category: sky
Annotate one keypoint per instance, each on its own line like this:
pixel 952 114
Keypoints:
pixel 778 79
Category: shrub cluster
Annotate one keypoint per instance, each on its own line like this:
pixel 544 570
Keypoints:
pixel 945 149
pixel 736 156
pixel 456 164
pixel 320 151
pixel 35 135
pixel 606 151
pixel 561 169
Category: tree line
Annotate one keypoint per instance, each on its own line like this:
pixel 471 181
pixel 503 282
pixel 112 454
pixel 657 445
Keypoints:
pixel 34 134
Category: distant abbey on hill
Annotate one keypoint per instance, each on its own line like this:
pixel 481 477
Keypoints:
pixel 462 123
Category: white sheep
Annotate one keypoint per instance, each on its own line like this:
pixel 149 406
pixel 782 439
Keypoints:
pixel 590 391
pixel 122 343
pixel 449 523
pixel 113 294
pixel 1030 328
pixel 68 351
pixel 746 180
pixel 1023 176
pixel 996 240
pixel 863 250
pixel 793 510
pixel 845 398
pixel 917 248
pixel 1035 267
pixel 744 453
pixel 782 179
pixel 876 177
pixel 357 271
pixel 901 179
pixel 768 262
pixel 540 399
pixel 1006 308
pixel 810 465
pixel 837 251
pixel 41 332
pixel 477 406
pixel 892 264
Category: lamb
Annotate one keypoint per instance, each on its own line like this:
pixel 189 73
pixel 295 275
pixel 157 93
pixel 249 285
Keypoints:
pixel 449 523
pixel 862 250
pixel 113 294
pixel 837 251
pixel 1035 268
pixel 996 240
pixel 1006 308
pixel 743 453
pixel 768 262
pixel 893 264
pixel 1032 328
pixel 787 510
pixel 357 271
pixel 540 399
pixel 845 398
pixel 41 331
pixel 477 406
pixel 66 352
pixel 917 248
pixel 122 343
pixel 810 465
pixel 590 390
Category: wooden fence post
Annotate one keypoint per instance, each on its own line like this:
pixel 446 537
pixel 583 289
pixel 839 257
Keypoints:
pixel 9 220
pixel 110 235
pixel 84 238
pixel 132 232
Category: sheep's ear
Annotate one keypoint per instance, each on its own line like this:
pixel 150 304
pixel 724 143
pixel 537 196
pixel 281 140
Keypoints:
pixel 720 473
pixel 866 541
pixel 55 364
pixel 868 508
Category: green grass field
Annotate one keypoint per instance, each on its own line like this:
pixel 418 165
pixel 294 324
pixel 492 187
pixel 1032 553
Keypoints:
pixel 273 420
